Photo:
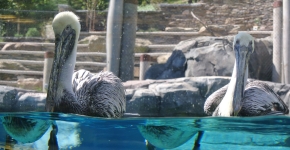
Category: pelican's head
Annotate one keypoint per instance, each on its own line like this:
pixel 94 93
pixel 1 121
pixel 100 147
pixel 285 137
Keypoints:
pixel 243 47
pixel 243 42
pixel 66 20
pixel 66 28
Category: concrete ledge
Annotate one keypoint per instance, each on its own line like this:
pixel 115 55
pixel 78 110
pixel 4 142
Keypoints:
pixel 148 98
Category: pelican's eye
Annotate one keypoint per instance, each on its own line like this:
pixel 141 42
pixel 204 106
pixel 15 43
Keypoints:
pixel 250 43
pixel 251 46
pixel 237 45
pixel 67 27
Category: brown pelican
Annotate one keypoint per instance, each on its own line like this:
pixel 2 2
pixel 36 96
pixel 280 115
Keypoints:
pixel 82 92
pixel 239 98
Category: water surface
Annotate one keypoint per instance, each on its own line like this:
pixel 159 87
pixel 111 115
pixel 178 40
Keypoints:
pixel 83 132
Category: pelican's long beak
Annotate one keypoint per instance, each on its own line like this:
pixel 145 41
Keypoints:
pixel 242 53
pixel 64 44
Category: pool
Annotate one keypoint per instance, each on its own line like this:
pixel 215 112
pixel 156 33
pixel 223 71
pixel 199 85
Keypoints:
pixel 83 132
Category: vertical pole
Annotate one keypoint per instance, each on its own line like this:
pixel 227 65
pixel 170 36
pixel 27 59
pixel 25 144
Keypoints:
pixel 286 40
pixel 114 35
pixel 9 143
pixel 128 40
pixel 144 65
pixel 277 41
pixel 48 60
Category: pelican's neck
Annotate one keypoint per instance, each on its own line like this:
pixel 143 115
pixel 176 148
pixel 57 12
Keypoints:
pixel 235 92
pixel 65 80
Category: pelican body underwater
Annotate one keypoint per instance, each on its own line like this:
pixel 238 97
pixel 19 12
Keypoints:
pixel 239 98
pixel 82 92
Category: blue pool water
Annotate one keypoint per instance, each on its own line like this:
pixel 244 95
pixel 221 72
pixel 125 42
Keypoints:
pixel 82 132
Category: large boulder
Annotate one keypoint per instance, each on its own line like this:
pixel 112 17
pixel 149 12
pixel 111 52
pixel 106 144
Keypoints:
pixel 221 30
pixel 98 44
pixel 95 43
pixel 172 97
pixel 19 100
pixel 215 59
pixel 213 56
pixel 147 98
pixel 180 97
pixel 173 68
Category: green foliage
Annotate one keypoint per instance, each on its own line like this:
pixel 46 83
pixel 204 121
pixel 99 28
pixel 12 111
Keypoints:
pixel 146 2
pixel 102 5
pixel 51 4
pixel 18 35
pixel 146 8
pixel 143 2
pixel 81 4
pixel 29 4
pixel 152 30
pixel 32 32
pixel 141 49
pixel 2 31
pixel 157 1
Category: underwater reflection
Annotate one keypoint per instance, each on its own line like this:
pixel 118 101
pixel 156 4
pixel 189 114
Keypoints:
pixel 166 134
pixel 83 132
pixel 37 133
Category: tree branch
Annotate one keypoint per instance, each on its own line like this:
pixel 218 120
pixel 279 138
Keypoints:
pixel 203 24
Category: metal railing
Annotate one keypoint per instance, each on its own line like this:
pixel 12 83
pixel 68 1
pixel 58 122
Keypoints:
pixel 42 63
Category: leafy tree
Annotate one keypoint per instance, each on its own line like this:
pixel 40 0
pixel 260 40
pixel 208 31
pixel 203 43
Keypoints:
pixel 32 32
pixel 86 4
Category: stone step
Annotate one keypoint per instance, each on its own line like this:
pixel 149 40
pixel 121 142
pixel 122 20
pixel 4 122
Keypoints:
pixel 81 47
pixel 34 46
pixel 158 37
pixel 41 63
pixel 41 53
pixel 14 65
pixel 11 66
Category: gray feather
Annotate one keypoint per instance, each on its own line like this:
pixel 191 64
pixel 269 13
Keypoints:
pixel 259 99
pixel 100 94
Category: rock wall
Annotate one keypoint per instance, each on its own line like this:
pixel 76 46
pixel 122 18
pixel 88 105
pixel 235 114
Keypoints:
pixel 147 98
pixel 245 13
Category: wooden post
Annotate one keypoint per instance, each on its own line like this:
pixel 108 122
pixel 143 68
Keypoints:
pixel 277 41
pixel 48 61
pixel 286 41
pixel 128 40
pixel 145 61
pixel 114 35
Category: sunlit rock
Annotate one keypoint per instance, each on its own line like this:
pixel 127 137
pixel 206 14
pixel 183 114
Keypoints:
pixel 213 56
pixel 153 98
pixel 30 83
pixel 174 97
pixel 180 97
pixel 96 43
pixel 179 29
